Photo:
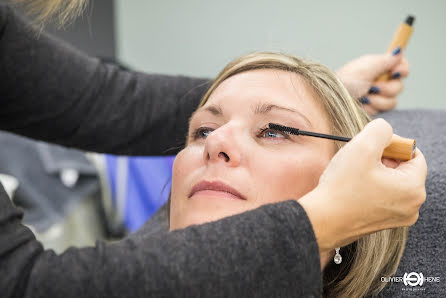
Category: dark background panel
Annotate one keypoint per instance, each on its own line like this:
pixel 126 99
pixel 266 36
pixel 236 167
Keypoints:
pixel 93 32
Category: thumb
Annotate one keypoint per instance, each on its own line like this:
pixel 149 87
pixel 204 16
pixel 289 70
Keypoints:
pixel 383 63
pixel 372 140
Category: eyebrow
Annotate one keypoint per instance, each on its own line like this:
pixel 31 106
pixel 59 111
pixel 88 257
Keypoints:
pixel 259 109
pixel 265 108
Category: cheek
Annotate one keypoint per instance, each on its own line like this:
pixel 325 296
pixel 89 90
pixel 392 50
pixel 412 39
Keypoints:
pixel 180 167
pixel 291 177
pixel 186 161
pixel 184 166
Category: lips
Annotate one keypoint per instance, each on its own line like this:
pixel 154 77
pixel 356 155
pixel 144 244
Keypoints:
pixel 215 186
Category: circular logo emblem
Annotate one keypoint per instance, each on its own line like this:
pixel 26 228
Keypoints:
pixel 413 279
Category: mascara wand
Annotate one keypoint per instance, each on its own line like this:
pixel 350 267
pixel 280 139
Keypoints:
pixel 296 131
pixel 400 148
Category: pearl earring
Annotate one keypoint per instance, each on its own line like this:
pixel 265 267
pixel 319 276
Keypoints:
pixel 337 258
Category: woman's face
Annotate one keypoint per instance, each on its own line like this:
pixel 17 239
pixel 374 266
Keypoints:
pixel 234 163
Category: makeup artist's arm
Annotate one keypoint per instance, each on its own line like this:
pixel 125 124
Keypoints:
pixel 267 252
pixel 52 92
pixel 359 77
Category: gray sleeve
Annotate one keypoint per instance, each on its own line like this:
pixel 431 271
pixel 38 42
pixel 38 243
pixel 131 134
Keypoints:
pixel 52 92
pixel 267 252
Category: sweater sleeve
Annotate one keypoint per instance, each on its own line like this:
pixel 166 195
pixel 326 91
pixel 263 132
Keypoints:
pixel 268 252
pixel 52 92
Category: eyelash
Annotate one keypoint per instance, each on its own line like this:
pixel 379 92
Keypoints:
pixel 263 130
pixel 196 132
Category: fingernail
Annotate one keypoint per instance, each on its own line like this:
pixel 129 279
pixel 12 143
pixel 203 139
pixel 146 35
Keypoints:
pixel 364 100
pixel 396 51
pixel 374 90
pixel 396 75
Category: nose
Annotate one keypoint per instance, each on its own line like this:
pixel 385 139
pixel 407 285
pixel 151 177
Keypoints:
pixel 221 146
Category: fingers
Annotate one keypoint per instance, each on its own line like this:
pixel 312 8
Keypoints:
pixel 370 110
pixel 414 173
pixel 376 96
pixel 417 162
pixel 376 65
pixel 390 163
pixel 383 95
pixel 381 103
pixel 402 68
pixel 390 88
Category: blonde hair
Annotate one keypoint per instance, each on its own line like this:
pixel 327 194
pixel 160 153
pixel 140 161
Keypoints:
pixel 59 11
pixel 368 259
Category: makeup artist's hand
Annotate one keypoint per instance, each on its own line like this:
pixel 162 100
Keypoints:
pixel 359 194
pixel 359 78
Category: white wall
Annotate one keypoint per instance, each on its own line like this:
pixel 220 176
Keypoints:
pixel 198 37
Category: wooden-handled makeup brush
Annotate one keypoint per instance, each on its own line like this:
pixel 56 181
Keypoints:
pixel 400 39
pixel 400 148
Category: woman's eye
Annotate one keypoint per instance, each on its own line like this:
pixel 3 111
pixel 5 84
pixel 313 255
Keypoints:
pixel 202 132
pixel 272 134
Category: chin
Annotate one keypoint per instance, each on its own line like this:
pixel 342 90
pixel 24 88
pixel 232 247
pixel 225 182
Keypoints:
pixel 197 216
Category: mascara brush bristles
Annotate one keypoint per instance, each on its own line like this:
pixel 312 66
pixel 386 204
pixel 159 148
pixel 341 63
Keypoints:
pixel 296 131
pixel 291 130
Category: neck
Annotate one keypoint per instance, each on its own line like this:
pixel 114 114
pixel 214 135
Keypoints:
pixel 325 258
